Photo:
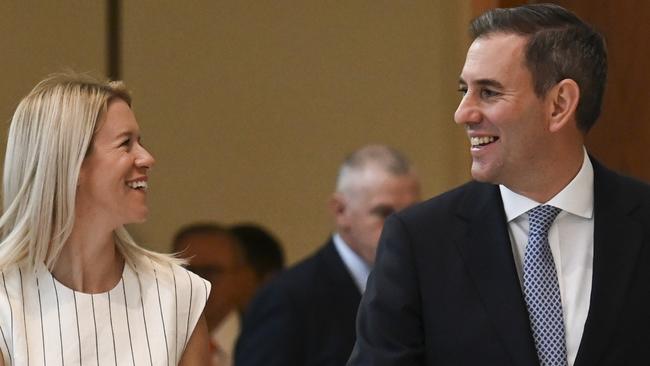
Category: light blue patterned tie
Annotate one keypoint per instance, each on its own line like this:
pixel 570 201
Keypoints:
pixel 542 291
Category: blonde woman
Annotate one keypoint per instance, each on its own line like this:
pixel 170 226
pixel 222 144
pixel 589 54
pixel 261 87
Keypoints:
pixel 75 289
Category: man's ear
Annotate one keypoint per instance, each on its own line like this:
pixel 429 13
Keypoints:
pixel 337 206
pixel 563 103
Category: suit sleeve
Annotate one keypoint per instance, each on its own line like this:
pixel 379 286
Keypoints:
pixel 389 322
pixel 269 331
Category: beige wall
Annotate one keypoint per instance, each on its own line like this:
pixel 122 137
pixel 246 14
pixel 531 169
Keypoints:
pixel 40 37
pixel 250 106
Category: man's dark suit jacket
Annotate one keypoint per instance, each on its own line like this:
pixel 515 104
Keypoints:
pixel 445 291
pixel 306 316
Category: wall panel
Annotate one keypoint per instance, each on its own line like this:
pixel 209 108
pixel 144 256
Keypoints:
pixel 249 107
pixel 40 37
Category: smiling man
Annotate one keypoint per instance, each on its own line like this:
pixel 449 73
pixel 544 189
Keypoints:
pixel 544 259
pixel 306 316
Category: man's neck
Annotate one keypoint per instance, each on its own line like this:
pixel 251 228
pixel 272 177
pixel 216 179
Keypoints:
pixel 551 178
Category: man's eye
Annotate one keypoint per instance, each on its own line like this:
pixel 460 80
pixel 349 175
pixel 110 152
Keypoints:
pixel 126 142
pixel 462 90
pixel 488 93
pixel 383 211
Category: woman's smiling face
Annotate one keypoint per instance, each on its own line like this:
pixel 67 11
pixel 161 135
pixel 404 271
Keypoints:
pixel 112 185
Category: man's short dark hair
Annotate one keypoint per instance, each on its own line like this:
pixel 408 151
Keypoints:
pixel 202 228
pixel 262 251
pixel 560 46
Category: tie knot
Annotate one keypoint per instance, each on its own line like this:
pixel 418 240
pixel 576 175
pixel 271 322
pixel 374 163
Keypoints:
pixel 541 217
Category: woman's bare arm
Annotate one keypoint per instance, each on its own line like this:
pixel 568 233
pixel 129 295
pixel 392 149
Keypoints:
pixel 197 352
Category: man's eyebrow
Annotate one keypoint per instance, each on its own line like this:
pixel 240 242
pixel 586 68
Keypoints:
pixel 489 82
pixel 483 82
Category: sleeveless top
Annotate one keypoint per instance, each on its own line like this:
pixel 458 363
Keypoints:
pixel 146 319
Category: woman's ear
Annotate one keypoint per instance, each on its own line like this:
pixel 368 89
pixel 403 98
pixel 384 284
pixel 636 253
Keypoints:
pixel 563 103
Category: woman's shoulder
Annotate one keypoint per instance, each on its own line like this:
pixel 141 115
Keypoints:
pixel 15 274
pixel 179 293
pixel 18 285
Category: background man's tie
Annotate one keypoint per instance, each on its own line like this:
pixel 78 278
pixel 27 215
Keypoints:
pixel 542 291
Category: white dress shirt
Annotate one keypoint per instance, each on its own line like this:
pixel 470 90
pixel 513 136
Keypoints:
pixel 358 268
pixel 571 238
pixel 224 337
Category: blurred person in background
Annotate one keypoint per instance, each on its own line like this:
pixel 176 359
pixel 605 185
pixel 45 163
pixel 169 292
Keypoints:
pixel 263 253
pixel 236 261
pixel 306 315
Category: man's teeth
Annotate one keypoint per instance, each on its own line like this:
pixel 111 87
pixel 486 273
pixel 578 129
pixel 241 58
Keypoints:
pixel 483 140
pixel 138 184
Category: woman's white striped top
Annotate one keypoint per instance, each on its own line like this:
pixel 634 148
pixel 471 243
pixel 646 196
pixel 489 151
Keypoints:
pixel 146 319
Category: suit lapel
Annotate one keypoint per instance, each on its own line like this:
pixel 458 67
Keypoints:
pixel 486 249
pixel 617 241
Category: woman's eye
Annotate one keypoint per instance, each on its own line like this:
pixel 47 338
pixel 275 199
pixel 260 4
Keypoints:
pixel 126 142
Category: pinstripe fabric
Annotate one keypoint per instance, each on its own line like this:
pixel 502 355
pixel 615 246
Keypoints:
pixel 42 322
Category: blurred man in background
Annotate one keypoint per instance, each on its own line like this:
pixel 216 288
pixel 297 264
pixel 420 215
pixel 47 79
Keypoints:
pixel 306 316
pixel 236 261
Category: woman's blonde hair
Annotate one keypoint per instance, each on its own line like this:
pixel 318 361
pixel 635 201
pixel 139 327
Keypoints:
pixel 50 134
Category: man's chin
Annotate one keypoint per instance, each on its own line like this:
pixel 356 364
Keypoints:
pixel 482 173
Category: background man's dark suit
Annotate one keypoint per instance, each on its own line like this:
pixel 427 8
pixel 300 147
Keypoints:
pixel 449 280
pixel 306 316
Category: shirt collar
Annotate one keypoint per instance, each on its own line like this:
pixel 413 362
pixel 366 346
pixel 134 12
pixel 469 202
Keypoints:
pixel 358 268
pixel 576 198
